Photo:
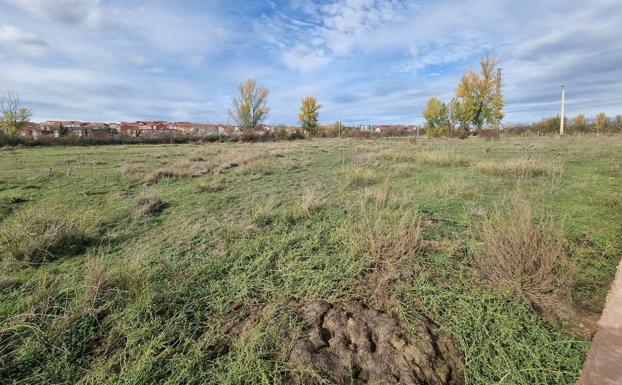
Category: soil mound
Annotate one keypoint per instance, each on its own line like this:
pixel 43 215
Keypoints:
pixel 353 344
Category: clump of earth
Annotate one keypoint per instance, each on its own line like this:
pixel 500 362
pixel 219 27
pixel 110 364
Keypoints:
pixel 351 343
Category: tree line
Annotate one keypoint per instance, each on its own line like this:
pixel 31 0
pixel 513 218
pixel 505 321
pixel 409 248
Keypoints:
pixel 601 123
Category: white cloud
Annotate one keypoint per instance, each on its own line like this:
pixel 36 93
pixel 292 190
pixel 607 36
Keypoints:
pixel 13 39
pixel 85 12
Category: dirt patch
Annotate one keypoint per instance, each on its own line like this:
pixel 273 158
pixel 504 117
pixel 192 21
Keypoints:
pixel 353 344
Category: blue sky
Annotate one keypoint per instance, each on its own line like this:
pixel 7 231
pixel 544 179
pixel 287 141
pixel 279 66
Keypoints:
pixel 366 61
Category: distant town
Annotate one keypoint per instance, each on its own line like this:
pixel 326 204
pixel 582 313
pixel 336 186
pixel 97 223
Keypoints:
pixel 159 129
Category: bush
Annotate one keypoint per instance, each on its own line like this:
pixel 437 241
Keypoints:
pixel 523 255
pixel 36 235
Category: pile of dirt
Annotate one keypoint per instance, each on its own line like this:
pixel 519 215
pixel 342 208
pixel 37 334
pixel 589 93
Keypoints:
pixel 352 344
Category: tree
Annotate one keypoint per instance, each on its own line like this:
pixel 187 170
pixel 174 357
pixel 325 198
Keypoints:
pixel 249 108
pixel 479 99
pixel 309 111
pixel 602 122
pixel 62 130
pixel 579 123
pixel 459 115
pixel 13 118
pixel 436 114
pixel 618 123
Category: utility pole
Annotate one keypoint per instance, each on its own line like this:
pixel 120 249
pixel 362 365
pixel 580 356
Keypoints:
pixel 561 119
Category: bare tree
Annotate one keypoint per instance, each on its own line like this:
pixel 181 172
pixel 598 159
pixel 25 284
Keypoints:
pixel 13 118
pixel 249 108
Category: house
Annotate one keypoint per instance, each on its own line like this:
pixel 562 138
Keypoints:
pixel 35 131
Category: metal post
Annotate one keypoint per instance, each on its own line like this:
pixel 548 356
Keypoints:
pixel 561 120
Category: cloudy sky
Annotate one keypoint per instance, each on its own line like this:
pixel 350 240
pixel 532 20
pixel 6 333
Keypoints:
pixel 367 61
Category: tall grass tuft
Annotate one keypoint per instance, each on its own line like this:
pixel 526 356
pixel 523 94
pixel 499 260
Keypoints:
pixel 39 234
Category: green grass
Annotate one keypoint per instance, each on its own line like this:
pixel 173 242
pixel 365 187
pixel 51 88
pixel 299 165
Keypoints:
pixel 180 242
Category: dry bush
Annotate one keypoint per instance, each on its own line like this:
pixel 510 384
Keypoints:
pixel 518 168
pixel 38 234
pixel 523 254
pixel 148 203
pixel 359 177
pixel 179 169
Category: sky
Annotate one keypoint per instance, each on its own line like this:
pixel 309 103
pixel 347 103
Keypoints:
pixel 366 61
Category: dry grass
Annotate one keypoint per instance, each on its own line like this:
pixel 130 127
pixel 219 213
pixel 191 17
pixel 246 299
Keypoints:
pixel 386 236
pixel 395 155
pixel 518 167
pixel 378 198
pixel 212 186
pixel 309 201
pixel 148 203
pixel 37 234
pixel 256 167
pixel 179 169
pixel 434 158
pixel 523 253
pixel 241 156
pixel 366 159
pixel 359 177
pixel 442 159
pixel 132 169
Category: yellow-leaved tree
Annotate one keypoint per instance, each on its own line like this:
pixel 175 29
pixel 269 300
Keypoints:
pixel 249 108
pixel 436 116
pixel 479 100
pixel 308 116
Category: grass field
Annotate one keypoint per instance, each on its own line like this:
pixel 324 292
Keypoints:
pixel 191 264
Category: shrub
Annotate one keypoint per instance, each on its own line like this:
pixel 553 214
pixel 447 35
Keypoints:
pixel 39 234
pixel 521 254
